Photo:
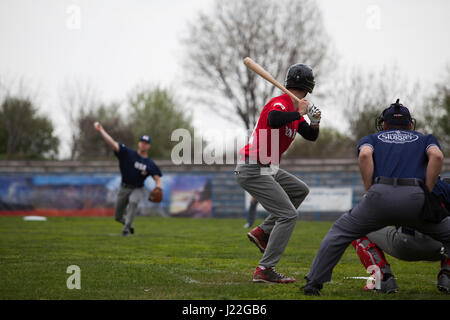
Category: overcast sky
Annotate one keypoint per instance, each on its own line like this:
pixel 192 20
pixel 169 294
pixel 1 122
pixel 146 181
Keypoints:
pixel 115 45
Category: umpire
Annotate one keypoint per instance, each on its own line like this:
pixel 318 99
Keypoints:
pixel 393 164
pixel 135 167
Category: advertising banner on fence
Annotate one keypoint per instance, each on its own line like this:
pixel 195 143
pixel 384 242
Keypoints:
pixel 322 199
pixel 95 195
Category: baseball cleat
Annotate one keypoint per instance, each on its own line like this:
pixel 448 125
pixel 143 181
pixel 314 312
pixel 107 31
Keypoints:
pixel 443 283
pixel 388 285
pixel 269 275
pixel 131 230
pixel 259 238
pixel 125 233
pixel 312 288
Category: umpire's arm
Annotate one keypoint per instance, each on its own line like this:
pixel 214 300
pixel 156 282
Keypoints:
pixel 434 167
pixel 366 165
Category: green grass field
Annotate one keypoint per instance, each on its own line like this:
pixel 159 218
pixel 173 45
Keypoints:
pixel 171 258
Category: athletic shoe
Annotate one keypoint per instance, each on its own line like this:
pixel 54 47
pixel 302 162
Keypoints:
pixel 247 225
pixel 443 283
pixel 259 238
pixel 125 233
pixel 131 230
pixel 387 285
pixel 269 275
pixel 312 288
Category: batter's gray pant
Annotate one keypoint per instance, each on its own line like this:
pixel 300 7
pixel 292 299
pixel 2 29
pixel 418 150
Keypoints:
pixel 409 246
pixel 280 193
pixel 384 205
pixel 127 198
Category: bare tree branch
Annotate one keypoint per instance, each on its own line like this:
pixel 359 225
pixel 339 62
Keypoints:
pixel 276 34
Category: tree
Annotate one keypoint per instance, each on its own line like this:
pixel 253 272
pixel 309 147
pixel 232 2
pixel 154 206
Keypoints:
pixel 437 113
pixel 78 102
pixel 24 134
pixel 89 144
pixel 364 95
pixel 330 144
pixel 276 34
pixel 153 112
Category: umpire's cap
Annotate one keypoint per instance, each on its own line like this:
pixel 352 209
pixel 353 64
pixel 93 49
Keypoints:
pixel 300 76
pixel 397 114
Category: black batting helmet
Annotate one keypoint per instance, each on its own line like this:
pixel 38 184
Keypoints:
pixel 300 76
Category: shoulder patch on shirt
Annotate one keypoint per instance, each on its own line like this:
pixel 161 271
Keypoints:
pixel 279 104
pixel 399 137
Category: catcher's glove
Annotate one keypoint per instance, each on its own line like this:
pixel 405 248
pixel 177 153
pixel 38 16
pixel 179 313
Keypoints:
pixel 156 195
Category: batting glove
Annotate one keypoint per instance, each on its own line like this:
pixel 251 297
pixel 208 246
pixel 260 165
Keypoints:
pixel 314 114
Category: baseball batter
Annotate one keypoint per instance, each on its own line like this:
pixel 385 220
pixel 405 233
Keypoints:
pixel 278 191
pixel 135 167
pixel 405 244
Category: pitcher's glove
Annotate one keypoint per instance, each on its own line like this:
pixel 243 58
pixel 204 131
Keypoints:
pixel 314 114
pixel 156 195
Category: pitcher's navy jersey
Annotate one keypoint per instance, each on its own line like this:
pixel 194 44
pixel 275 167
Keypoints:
pixel 134 168
pixel 399 153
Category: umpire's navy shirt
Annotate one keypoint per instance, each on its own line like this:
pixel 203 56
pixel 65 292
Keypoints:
pixel 134 168
pixel 399 153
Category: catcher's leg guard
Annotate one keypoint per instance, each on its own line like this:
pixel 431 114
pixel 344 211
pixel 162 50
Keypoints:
pixel 371 255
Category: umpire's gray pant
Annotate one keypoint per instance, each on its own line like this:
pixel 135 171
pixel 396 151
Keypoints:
pixel 384 205
pixel 407 246
pixel 280 193
pixel 127 198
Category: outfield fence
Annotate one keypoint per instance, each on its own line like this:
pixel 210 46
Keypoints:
pixel 89 188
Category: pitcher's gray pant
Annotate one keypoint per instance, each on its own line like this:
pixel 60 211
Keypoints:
pixel 384 205
pixel 280 193
pixel 127 197
pixel 409 246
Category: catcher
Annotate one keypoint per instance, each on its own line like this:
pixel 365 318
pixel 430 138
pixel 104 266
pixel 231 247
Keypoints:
pixel 135 167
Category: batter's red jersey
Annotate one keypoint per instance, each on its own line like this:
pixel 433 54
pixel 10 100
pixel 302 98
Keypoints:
pixel 266 140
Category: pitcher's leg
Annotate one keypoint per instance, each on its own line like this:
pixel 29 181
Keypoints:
pixel 121 204
pixel 135 198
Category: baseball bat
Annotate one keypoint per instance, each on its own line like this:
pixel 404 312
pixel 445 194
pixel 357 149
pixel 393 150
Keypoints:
pixel 252 65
